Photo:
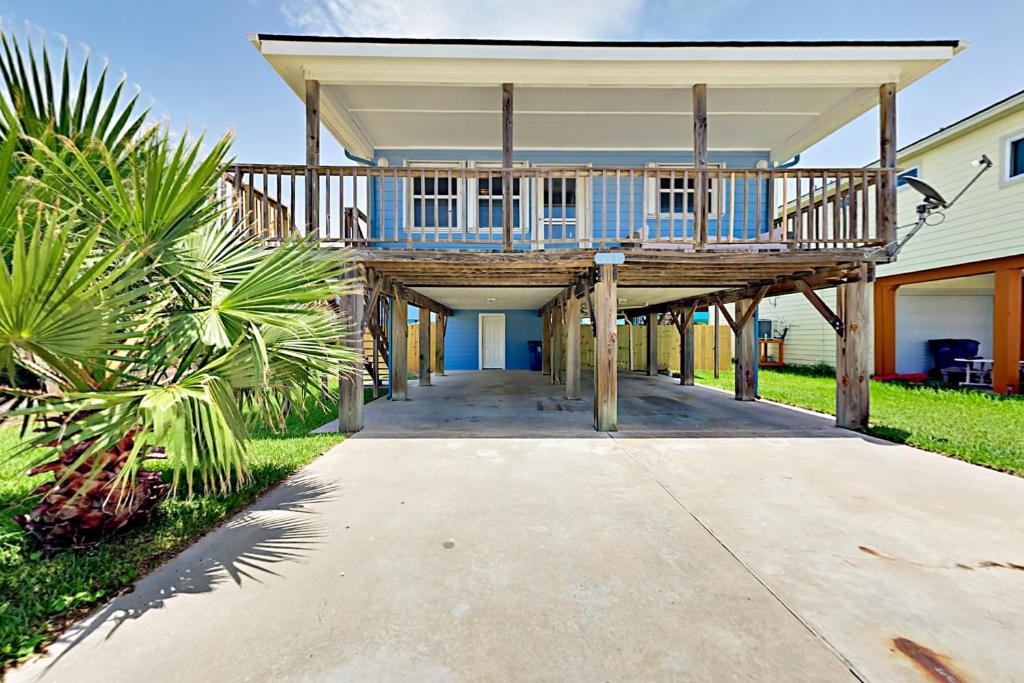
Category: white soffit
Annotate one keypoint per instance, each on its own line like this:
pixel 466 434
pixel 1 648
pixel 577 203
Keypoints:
pixel 533 298
pixel 640 297
pixel 478 298
pixel 446 94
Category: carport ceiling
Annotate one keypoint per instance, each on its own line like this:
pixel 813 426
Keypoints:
pixel 532 298
pixel 971 285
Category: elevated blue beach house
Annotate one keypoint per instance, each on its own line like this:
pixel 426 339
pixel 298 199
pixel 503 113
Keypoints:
pixel 514 189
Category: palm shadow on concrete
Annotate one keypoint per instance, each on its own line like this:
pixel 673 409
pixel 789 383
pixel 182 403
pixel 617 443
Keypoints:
pixel 279 528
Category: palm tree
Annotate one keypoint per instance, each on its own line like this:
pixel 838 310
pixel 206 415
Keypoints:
pixel 138 318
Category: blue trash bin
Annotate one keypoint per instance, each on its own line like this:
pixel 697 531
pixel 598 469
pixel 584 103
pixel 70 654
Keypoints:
pixel 946 351
pixel 535 355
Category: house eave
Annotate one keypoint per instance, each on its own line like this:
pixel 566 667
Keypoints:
pixel 850 70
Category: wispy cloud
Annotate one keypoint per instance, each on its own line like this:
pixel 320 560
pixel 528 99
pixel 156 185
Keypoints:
pixel 539 19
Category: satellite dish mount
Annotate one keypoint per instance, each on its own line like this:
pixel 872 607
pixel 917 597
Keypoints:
pixel 933 202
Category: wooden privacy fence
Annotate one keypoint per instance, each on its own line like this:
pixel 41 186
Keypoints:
pixel 668 347
pixel 414 346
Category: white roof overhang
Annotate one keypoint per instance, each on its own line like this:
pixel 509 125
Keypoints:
pixel 774 97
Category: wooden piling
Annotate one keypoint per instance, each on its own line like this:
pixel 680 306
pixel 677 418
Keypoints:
pixel 853 396
pixel 606 350
pixel 399 373
pixel 572 349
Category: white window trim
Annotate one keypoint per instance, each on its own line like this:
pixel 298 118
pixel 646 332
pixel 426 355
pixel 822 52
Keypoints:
pixel 1004 167
pixel 652 193
pixel 480 340
pixel 584 203
pixel 407 199
pixel 474 197
pixel 907 170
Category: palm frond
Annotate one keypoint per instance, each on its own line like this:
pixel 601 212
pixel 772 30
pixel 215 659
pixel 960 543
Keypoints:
pixel 50 305
pixel 81 114
pixel 165 195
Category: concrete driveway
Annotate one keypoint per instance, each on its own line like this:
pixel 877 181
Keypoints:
pixel 755 543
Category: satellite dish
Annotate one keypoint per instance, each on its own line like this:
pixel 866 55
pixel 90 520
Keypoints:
pixel 931 195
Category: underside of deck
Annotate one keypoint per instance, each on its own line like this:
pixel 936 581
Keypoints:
pixel 727 274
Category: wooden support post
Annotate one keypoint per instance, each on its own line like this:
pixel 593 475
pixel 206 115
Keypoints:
pixel 376 366
pixel 606 350
pixel 442 329
pixel 506 165
pixel 545 343
pixel 557 335
pixel 887 159
pixel 717 370
pixel 572 349
pixel 700 161
pixel 350 386
pixel 746 350
pixel 1006 331
pixel 852 344
pixel 652 344
pixel 630 322
pixel 424 329
pixel 399 373
pixel 686 342
pixel 312 181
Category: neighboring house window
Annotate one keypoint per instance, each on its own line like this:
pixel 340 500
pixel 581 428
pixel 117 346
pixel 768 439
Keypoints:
pixel 675 191
pixel 1017 157
pixel 434 199
pixel 1013 158
pixel 909 173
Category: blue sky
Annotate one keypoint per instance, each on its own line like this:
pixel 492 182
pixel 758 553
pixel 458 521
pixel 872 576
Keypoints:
pixel 195 66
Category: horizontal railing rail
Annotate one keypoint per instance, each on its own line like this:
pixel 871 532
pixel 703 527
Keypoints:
pixel 673 207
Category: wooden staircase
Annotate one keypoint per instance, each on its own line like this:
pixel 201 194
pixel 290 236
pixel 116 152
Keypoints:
pixel 375 346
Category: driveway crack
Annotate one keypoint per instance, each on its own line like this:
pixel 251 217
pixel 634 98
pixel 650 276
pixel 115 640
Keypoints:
pixel 750 570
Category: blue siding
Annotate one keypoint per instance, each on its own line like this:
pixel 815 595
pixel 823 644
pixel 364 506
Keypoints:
pixel 461 349
pixel 605 206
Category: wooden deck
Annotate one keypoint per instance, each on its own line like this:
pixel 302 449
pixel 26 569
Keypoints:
pixel 730 272
pixel 656 207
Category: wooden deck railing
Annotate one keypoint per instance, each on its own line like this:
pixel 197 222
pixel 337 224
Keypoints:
pixel 655 206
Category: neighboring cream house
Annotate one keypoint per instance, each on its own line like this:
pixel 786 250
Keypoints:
pixel 960 278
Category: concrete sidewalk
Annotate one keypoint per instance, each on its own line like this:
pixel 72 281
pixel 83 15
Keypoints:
pixel 807 554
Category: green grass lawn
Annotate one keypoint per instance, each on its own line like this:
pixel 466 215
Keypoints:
pixel 978 427
pixel 41 594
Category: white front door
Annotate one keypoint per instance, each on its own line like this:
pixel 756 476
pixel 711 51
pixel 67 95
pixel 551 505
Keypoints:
pixel 492 341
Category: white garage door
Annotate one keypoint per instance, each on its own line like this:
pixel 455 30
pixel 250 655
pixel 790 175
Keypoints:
pixel 921 317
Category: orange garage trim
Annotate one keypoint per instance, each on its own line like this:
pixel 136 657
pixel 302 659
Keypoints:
pixel 1008 335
